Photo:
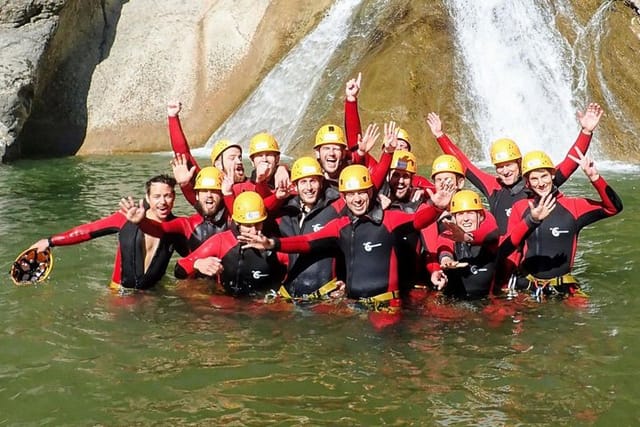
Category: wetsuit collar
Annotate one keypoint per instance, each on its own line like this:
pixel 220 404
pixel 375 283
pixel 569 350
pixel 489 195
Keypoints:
pixel 518 187
pixel 375 214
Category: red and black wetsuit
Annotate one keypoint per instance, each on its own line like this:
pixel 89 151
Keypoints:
pixel 128 270
pixel 368 244
pixel 501 198
pixel 306 272
pixel 550 246
pixel 475 280
pixel 244 271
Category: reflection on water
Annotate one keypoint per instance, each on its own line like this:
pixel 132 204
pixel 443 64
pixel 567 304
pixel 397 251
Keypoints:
pixel 73 353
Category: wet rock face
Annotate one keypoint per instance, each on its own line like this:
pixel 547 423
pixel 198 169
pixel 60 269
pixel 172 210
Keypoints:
pixel 26 28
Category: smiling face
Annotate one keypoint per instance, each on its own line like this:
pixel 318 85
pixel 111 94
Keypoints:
pixel 508 172
pixel 309 189
pixel 209 201
pixel 540 181
pixel 160 197
pixel 330 157
pixel 468 220
pixel 400 183
pixel 358 201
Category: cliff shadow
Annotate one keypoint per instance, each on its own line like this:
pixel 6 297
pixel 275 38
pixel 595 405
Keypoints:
pixel 57 124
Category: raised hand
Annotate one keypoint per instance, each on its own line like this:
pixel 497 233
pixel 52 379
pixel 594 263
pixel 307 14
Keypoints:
pixel 587 165
pixel 181 171
pixel 590 118
pixel 263 171
pixel 281 178
pixel 256 241
pixel 454 232
pixel 390 136
pixel 435 124
pixel 41 245
pixel 385 202
pixel 367 141
pixel 209 266
pixel 442 197
pixel 134 213
pixel 226 186
pixel 173 108
pixel 352 88
pixel 544 207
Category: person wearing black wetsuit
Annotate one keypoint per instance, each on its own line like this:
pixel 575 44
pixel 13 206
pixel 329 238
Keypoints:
pixel 141 259
pixel 542 235
pixel 507 187
pixel 241 271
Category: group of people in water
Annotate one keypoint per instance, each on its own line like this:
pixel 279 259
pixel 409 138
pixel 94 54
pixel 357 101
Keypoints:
pixel 343 224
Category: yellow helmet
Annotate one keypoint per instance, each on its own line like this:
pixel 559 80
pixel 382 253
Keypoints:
pixel 504 150
pixel 304 167
pixel 404 135
pixel 536 160
pixel 248 208
pixel 32 266
pixel 354 177
pixel 465 200
pixel 446 163
pixel 209 178
pixel 220 146
pixel 330 134
pixel 263 142
pixel 404 160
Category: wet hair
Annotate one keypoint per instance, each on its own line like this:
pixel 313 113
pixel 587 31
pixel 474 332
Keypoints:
pixel 160 179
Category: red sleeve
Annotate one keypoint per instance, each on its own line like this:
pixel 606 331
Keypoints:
pixel 419 181
pixel 211 247
pixel 352 127
pixel 426 214
pixel 444 246
pixel 487 229
pixel 307 242
pixel 179 143
pixel 228 202
pixel 379 171
pixel 485 182
pixel 109 225
pixel 567 167
pixel 272 204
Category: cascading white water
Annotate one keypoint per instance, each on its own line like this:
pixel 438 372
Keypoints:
pixel 516 74
pixel 279 102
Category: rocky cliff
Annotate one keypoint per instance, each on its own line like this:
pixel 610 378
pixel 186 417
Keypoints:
pixel 93 76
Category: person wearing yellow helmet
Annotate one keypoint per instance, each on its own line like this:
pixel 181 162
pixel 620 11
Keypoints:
pixel 240 271
pixel 310 276
pixel 227 156
pixel 465 268
pixel 367 237
pixel 330 147
pixel 546 229
pixel 211 217
pixel 507 186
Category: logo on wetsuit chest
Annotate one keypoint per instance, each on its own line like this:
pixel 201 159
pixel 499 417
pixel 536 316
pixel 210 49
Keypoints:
pixel 556 232
pixel 257 274
pixel 368 246
pixel 475 270
pixel 508 212
pixel 317 227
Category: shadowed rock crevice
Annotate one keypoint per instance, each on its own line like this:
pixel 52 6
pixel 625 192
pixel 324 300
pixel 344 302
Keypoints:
pixel 58 121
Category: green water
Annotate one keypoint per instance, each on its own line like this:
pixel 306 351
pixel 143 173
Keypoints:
pixel 72 353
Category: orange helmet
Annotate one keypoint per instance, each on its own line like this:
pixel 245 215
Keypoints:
pixel 404 160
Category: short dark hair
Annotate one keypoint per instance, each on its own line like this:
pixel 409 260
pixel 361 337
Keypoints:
pixel 160 179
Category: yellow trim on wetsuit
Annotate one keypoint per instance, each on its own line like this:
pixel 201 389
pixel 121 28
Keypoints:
pixel 380 302
pixel 321 293
pixel 554 282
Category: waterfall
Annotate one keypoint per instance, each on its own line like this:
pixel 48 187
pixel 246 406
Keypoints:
pixel 517 74
pixel 279 102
